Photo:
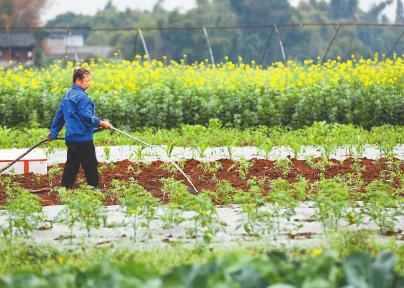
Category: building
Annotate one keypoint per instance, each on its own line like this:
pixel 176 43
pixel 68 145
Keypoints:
pixel 70 45
pixel 18 47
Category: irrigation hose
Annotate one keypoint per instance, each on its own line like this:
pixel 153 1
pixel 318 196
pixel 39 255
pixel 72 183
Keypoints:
pixel 150 146
pixel 35 146
pixel 26 152
pixel 112 128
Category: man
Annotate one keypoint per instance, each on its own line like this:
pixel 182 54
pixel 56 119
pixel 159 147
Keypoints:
pixel 77 110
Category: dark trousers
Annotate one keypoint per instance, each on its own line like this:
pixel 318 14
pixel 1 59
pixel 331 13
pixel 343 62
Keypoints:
pixel 80 153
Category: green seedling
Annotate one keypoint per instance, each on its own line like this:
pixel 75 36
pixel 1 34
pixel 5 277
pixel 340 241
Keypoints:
pixel 284 165
pixel 177 192
pixel 24 213
pixel 210 167
pixel 300 188
pixel 254 218
pixel 204 218
pixel 37 178
pixel 107 152
pixel 170 168
pixel 169 148
pixel 139 205
pixel 202 149
pixel 381 205
pixel 230 150
pixel 331 200
pixel 223 193
pixel 244 167
pixel 328 149
pixel 357 166
pixel 296 146
pixel 282 199
pixel 138 153
pixel 83 205
pixel 53 173
pixel 319 164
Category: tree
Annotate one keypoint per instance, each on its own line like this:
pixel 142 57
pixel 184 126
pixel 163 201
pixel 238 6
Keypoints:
pixel 343 9
pixel 373 15
pixel 399 12
pixel 21 13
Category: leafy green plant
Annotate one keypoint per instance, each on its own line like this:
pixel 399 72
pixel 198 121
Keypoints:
pixel 266 147
pixel 24 212
pixel 331 199
pixel 364 270
pixel 360 143
pixel 254 217
pixel 300 188
pixel 284 165
pixel 230 150
pixel 139 204
pixel 53 173
pixel 138 153
pixel 296 144
pixel 169 148
pixel 357 166
pixel 82 205
pixel 381 206
pixel 282 200
pixel 170 168
pixel 177 192
pixel 328 148
pixel 204 218
pixel 320 164
pixel 223 193
pixel 202 148
pixel 107 152
pixel 37 178
pixel 244 167
pixel 263 269
pixel 393 170
pixel 211 167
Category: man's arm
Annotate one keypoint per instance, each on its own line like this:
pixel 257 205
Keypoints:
pixel 58 122
pixel 86 108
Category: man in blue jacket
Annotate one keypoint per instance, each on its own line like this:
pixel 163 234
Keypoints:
pixel 77 111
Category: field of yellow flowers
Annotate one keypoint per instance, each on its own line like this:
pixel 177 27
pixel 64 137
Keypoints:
pixel 165 93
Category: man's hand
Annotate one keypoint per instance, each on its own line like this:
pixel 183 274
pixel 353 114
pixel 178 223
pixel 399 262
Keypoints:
pixel 105 125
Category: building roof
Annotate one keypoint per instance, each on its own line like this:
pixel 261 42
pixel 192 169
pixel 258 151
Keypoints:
pixel 17 39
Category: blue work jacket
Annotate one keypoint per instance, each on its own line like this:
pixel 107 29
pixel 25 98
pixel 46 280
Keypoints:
pixel 77 111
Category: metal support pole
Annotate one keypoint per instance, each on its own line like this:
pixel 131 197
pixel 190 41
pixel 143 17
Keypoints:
pixel 136 42
pixel 146 51
pixel 264 53
pixel 68 34
pixel 330 44
pixel 9 43
pixel 205 32
pixel 280 42
pixel 396 43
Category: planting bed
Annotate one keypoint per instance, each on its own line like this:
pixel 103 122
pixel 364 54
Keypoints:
pixel 149 175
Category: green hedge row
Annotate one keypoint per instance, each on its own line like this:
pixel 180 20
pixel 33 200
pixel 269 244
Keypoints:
pixel 166 107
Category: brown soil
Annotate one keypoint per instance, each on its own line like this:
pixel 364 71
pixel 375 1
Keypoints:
pixel 149 176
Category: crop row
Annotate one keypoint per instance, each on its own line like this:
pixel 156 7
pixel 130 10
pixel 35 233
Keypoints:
pixel 346 197
pixel 320 134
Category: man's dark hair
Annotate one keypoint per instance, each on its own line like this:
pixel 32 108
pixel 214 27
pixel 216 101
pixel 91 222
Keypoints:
pixel 79 73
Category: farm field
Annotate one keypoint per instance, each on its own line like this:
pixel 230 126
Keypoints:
pixel 295 166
